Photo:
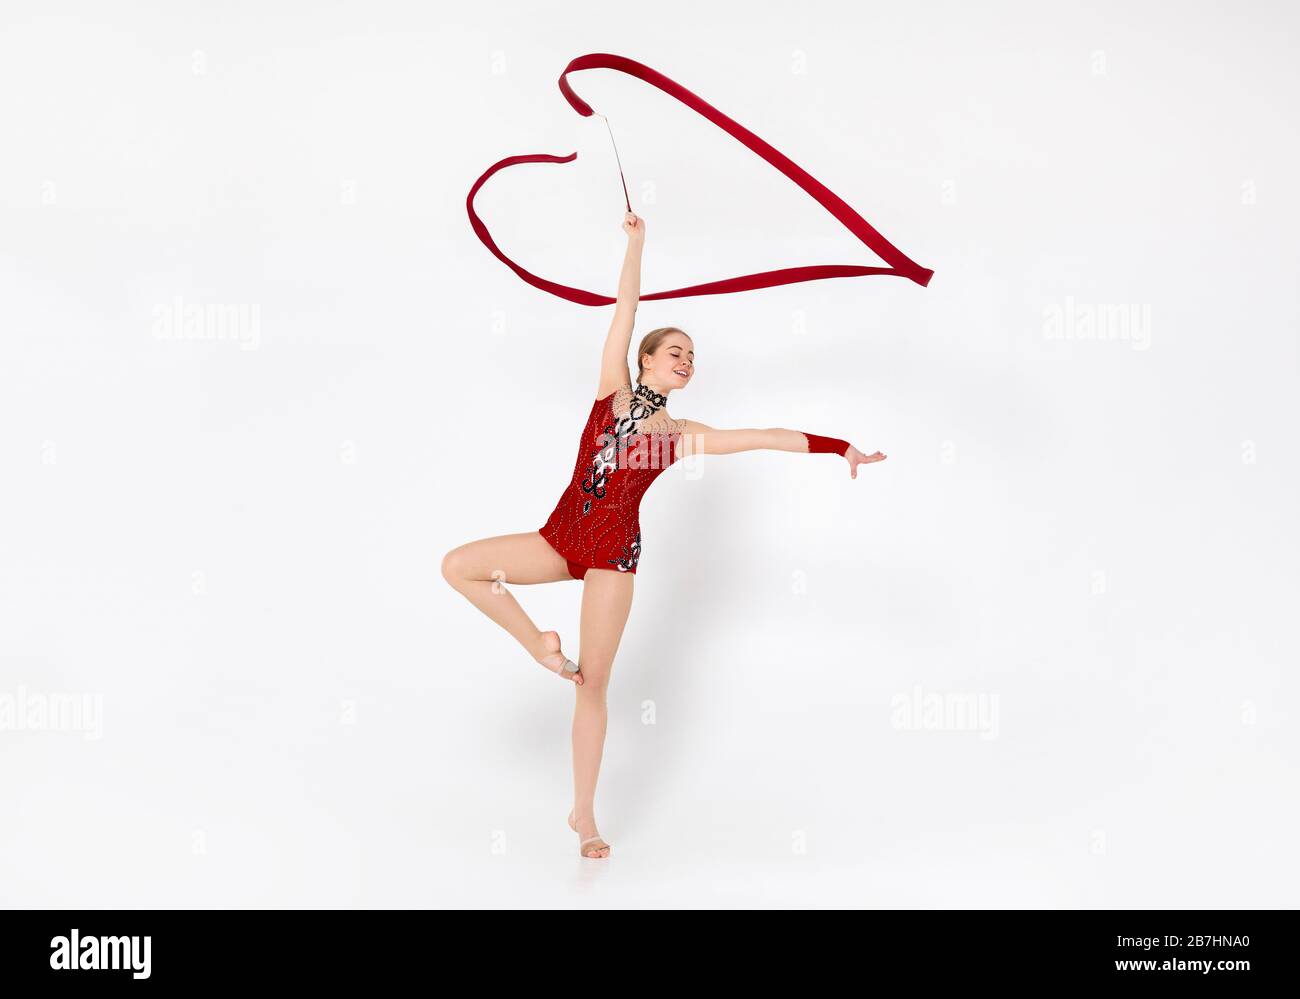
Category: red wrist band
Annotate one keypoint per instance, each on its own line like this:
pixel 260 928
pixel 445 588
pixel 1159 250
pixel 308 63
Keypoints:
pixel 825 445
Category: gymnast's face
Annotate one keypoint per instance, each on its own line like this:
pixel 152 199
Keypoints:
pixel 673 364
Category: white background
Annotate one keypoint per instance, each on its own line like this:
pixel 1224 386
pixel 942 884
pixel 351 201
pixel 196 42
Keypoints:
pixel 234 550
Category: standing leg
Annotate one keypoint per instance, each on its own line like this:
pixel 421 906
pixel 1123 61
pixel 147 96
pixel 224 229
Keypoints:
pixel 479 570
pixel 606 601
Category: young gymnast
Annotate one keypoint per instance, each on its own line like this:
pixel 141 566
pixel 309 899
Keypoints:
pixel 594 534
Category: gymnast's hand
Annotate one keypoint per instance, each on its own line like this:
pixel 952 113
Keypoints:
pixel 634 226
pixel 856 458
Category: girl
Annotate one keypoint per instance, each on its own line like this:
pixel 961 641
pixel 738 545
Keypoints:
pixel 593 534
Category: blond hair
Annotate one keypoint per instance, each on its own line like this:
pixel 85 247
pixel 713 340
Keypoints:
pixel 650 343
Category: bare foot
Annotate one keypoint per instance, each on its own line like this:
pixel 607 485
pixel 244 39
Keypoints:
pixel 592 845
pixel 547 652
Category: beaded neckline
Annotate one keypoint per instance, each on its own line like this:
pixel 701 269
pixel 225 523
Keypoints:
pixel 649 395
pixel 648 403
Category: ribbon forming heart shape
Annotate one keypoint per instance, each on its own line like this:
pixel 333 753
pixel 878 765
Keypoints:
pixel 900 264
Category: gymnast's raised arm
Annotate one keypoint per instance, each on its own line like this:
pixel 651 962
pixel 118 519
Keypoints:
pixel 697 438
pixel 613 362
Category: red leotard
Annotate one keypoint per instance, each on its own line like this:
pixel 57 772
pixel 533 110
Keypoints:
pixel 595 523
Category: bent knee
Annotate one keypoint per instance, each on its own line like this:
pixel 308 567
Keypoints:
pixel 455 566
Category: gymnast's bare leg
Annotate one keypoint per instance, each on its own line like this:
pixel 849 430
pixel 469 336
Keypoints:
pixel 606 601
pixel 480 570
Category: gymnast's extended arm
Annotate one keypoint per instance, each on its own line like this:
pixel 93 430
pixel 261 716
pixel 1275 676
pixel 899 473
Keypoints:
pixel 613 361
pixel 698 438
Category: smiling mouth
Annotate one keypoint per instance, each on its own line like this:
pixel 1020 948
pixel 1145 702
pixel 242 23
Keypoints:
pixel 681 372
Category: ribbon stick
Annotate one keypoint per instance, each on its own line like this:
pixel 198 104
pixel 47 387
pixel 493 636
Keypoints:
pixel 626 200
pixel 900 264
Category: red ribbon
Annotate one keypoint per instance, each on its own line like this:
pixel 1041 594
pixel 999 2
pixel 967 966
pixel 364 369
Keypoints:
pixel 901 265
